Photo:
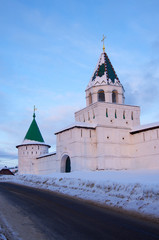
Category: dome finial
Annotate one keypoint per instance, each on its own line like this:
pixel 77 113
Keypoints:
pixel 103 42
pixel 34 112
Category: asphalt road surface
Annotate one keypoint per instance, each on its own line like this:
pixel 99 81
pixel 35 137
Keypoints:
pixel 33 214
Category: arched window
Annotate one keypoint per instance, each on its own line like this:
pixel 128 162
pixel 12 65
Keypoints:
pixel 114 96
pixel 90 98
pixel 101 96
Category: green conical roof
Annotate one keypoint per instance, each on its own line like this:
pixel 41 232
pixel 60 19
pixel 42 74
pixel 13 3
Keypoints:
pixel 105 67
pixel 104 73
pixel 34 133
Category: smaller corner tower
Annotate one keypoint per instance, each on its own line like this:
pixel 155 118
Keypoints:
pixel 104 85
pixel 32 147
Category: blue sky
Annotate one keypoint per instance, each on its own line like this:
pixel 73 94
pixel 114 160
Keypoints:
pixel 49 49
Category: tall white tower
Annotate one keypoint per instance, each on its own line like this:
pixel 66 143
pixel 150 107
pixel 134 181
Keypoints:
pixel 32 147
pixel 104 85
pixel 105 100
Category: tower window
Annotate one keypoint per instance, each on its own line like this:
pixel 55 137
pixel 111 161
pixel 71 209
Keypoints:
pixel 115 114
pixel 144 137
pixel 114 96
pixel 123 114
pixel 101 96
pixel 93 115
pixel 106 112
pixel 132 116
pixel 90 98
pixel 88 116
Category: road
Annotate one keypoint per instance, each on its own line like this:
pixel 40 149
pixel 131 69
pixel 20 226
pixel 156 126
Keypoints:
pixel 33 214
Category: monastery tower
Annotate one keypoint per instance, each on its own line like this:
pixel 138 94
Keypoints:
pixel 106 133
pixel 100 137
pixel 33 146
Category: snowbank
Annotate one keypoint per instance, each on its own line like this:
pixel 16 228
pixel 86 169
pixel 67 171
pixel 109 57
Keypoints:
pixel 131 190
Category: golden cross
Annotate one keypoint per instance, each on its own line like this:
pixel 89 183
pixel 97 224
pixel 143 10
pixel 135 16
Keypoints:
pixel 103 42
pixel 35 108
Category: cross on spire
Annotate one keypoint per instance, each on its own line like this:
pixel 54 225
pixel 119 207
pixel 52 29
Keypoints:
pixel 103 42
pixel 34 111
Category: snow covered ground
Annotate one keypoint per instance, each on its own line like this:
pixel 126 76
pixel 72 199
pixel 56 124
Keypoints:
pixel 136 190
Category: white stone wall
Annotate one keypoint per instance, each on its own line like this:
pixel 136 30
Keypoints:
pixel 96 113
pixel 145 149
pixel 114 148
pixel 46 165
pixel 80 145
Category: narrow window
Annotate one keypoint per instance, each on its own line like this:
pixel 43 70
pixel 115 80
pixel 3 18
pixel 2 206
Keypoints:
pixel 115 114
pixel 144 137
pixel 106 112
pixel 90 133
pixel 26 148
pixel 81 132
pixel 90 98
pixel 114 96
pixel 101 96
pixel 38 147
pixel 88 116
pixel 93 115
pixel 132 116
pixel 123 114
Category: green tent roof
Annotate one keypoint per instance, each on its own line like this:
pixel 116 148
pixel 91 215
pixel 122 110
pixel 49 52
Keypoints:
pixel 34 133
pixel 105 66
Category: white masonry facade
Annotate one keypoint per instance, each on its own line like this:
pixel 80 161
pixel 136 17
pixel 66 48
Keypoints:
pixel 106 133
